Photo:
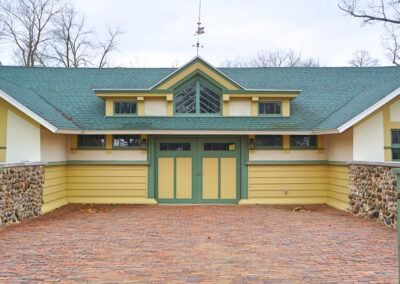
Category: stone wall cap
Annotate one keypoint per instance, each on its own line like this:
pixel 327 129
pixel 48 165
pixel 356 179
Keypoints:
pixel 384 164
pixel 21 164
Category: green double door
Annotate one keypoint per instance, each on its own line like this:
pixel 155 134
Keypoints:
pixel 197 170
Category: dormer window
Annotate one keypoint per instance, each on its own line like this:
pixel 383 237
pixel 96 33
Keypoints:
pixel 270 108
pixel 198 97
pixel 125 108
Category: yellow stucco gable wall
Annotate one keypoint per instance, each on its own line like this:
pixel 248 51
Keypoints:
pixel 183 73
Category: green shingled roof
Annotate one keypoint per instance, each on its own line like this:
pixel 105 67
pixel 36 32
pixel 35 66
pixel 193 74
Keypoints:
pixel 330 96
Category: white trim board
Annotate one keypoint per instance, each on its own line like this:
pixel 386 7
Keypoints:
pixel 369 110
pixel 27 111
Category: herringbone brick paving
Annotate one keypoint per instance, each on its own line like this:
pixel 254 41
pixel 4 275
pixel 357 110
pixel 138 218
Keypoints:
pixel 214 244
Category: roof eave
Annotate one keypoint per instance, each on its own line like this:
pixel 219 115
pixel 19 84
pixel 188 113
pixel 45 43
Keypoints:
pixel 27 111
pixel 369 110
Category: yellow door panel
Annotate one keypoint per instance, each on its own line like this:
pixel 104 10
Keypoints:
pixel 166 178
pixel 184 178
pixel 210 178
pixel 228 178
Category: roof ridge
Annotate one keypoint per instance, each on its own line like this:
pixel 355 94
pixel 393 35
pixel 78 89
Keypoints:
pixel 80 68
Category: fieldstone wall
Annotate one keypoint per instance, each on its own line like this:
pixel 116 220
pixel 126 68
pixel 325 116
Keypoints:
pixel 373 193
pixel 21 193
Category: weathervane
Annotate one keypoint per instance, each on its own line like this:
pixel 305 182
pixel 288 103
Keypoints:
pixel 200 30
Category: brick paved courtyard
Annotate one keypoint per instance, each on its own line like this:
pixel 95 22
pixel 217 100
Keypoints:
pixel 222 244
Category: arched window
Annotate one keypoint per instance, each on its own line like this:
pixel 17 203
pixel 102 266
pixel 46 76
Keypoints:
pixel 198 97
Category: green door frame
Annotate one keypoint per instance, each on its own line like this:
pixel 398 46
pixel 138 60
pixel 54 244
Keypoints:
pixel 197 152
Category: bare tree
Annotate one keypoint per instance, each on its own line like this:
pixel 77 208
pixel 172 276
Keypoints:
pixel 386 12
pixel 52 32
pixel 391 42
pixel 26 25
pixel 272 58
pixel 72 41
pixel 373 11
pixel 362 58
pixel 108 46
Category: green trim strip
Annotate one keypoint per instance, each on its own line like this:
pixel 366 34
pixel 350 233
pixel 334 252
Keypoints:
pixel 3 148
pixel 106 149
pixel 311 162
pixel 296 92
pixel 127 91
pixel 281 148
pixel 150 170
pixel 83 162
pixel 244 158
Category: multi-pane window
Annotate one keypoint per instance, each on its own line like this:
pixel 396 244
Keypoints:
pixel 396 145
pixel 91 141
pixel 268 141
pixel 125 108
pixel 126 141
pixel 303 141
pixel 269 108
pixel 175 146
pixel 219 146
pixel 198 98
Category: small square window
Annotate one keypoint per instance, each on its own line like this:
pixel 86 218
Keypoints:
pixel 125 108
pixel 303 141
pixel 273 141
pixel 269 108
pixel 126 141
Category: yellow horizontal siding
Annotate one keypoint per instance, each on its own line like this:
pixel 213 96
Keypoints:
pixel 289 200
pixel 305 184
pixel 110 200
pixel 338 196
pixel 54 188
pixel 107 184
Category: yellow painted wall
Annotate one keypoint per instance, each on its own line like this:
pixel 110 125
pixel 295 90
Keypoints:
pixel 338 195
pixel 305 184
pixel 54 189
pixel 197 66
pixel 3 130
pixel 391 120
pixel 107 184
pixel 101 184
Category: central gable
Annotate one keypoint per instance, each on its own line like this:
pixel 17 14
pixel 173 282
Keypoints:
pixel 194 67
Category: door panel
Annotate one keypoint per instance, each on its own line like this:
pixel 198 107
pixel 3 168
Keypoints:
pixel 210 178
pixel 166 178
pixel 184 178
pixel 228 178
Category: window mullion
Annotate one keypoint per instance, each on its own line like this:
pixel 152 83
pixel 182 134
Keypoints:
pixel 198 97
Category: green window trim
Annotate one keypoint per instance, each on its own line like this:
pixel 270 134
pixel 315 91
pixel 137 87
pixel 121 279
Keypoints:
pixel 81 140
pixel 395 147
pixel 198 81
pixel 311 147
pixel 136 147
pixel 270 115
pixel 125 114
pixel 268 147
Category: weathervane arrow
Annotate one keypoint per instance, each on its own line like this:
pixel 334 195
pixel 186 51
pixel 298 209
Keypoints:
pixel 200 31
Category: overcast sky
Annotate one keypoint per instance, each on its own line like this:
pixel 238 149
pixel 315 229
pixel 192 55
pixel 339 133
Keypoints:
pixel 159 33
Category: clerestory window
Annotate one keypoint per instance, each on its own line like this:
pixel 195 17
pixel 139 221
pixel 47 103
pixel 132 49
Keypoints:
pixel 198 98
